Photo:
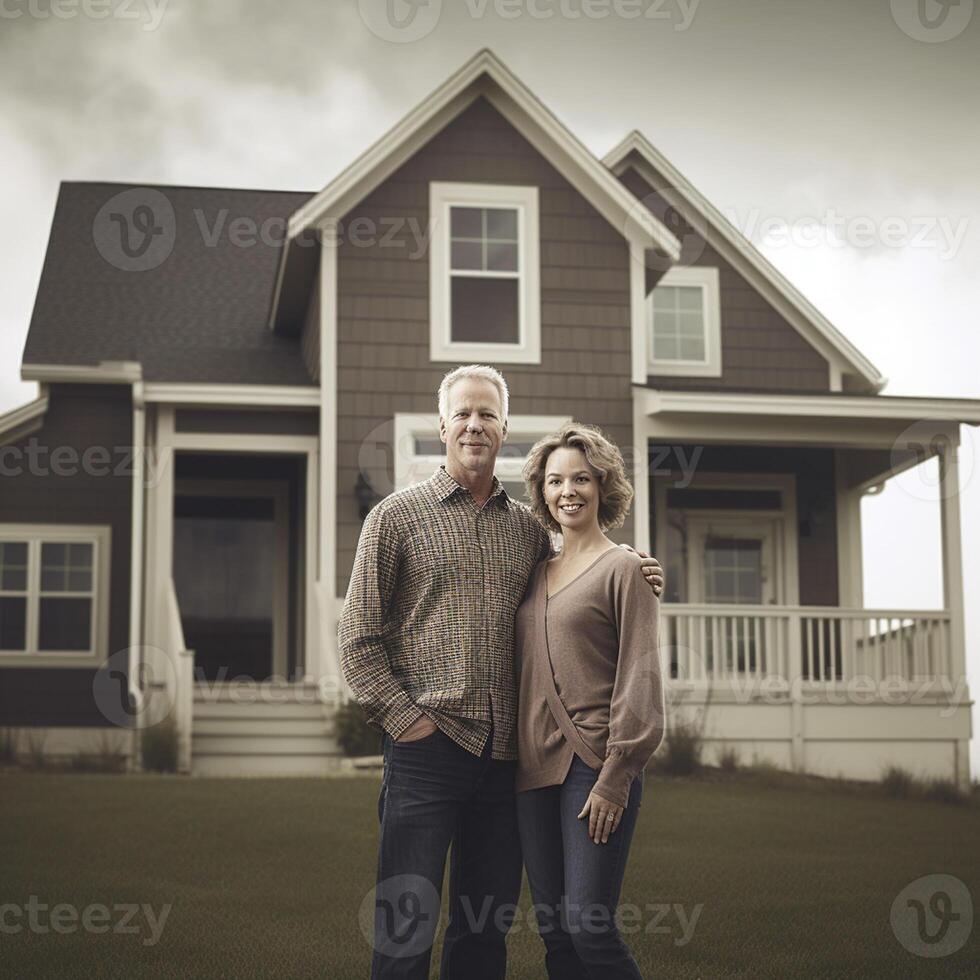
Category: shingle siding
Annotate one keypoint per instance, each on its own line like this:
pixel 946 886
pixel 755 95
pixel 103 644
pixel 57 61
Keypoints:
pixel 79 417
pixel 383 309
pixel 760 350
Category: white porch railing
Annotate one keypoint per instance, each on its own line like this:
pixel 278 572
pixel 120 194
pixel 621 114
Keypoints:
pixel 183 661
pixel 718 644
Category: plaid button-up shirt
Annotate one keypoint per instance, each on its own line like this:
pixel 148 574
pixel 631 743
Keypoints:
pixel 428 623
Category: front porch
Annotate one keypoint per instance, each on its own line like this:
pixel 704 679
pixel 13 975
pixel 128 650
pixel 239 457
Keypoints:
pixel 753 505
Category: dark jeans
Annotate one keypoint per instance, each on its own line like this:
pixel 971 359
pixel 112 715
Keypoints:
pixel 574 882
pixel 434 794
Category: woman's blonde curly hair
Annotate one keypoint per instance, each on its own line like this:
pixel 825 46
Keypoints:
pixel 605 460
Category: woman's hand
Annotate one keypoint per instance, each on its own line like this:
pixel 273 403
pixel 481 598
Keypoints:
pixel 604 817
pixel 652 570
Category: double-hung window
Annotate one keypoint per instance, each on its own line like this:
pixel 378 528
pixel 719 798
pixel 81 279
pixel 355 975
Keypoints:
pixel 419 450
pixel 53 592
pixel 684 323
pixel 484 273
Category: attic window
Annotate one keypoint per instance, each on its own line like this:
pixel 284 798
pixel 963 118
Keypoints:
pixel 484 302
pixel 683 321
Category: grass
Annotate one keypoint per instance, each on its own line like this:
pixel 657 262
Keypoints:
pixel 265 877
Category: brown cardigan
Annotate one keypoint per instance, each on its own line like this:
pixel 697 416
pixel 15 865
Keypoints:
pixel 589 676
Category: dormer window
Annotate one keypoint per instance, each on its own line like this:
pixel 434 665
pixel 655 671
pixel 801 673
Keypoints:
pixel 684 323
pixel 484 284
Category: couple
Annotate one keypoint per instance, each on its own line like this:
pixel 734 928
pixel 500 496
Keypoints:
pixel 519 693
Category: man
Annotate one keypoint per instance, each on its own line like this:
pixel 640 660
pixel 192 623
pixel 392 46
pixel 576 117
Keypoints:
pixel 426 645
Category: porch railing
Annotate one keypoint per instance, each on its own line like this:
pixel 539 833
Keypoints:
pixel 183 661
pixel 708 644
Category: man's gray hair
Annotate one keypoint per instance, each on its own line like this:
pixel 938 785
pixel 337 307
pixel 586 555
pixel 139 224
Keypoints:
pixel 483 371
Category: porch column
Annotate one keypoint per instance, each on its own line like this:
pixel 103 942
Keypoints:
pixel 949 505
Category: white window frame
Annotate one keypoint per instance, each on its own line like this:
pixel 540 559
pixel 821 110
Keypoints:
pixel 445 195
pixel 412 467
pixel 99 536
pixel 707 278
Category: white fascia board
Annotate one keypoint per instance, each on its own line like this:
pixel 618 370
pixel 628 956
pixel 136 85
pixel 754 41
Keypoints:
pixel 105 372
pixel 24 417
pixel 738 250
pixel 486 75
pixel 657 402
pixel 270 396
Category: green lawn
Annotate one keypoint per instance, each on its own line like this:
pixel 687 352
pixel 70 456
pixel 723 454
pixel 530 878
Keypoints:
pixel 265 877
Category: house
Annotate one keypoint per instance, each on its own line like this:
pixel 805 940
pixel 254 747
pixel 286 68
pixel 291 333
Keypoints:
pixel 230 379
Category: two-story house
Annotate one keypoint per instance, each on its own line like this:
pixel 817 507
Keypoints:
pixel 230 379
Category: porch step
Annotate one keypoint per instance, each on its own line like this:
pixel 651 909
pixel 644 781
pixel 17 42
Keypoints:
pixel 264 766
pixel 261 730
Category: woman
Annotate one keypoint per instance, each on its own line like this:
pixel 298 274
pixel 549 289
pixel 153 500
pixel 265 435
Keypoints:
pixel 591 708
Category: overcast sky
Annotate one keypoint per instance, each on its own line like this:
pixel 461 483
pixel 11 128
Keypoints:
pixel 843 138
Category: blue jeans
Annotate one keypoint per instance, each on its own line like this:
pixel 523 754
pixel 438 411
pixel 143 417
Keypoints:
pixel 574 882
pixel 435 793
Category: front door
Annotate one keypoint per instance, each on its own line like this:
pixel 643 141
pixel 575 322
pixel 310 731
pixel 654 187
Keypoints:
pixel 231 555
pixel 735 562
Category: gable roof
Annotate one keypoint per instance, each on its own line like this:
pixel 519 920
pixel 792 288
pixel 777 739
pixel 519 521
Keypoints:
pixel 198 316
pixel 485 76
pixel 637 152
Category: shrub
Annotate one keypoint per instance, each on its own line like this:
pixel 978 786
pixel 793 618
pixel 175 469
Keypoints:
pixel 158 746
pixel 8 746
pixel 353 733
pixel 728 760
pixel 943 791
pixel 681 754
pixel 36 759
pixel 897 782
pixel 106 756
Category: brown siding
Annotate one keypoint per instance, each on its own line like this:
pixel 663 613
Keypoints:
pixel 78 417
pixel 383 315
pixel 310 336
pixel 816 511
pixel 245 421
pixel 760 351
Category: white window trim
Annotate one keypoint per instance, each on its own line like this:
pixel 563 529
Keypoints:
pixel 35 534
pixel 409 427
pixel 707 278
pixel 787 536
pixel 442 196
